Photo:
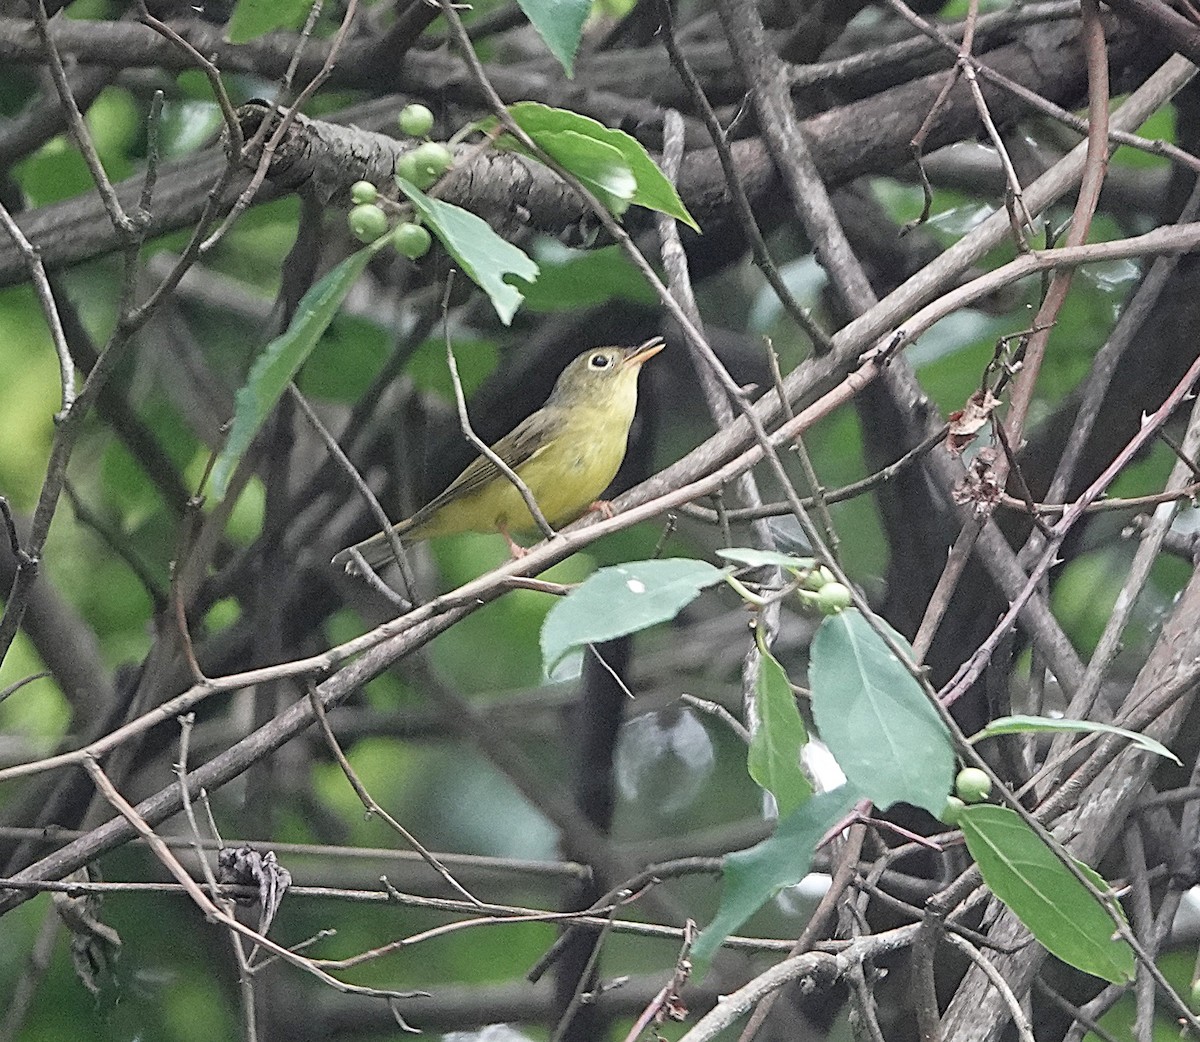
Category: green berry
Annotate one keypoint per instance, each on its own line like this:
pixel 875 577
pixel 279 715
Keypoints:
pixel 953 810
pixel 433 158
pixel 368 222
pixel 818 577
pixel 832 598
pixel 407 168
pixel 416 120
pixel 411 240
pixel 363 192
pixel 972 785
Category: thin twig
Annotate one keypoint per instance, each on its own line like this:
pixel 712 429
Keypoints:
pixel 10 528
pixel 733 181
pixel 586 981
pixel 232 127
pixel 1077 1013
pixel 41 285
pixel 373 807
pixel 205 903
pixel 245 973
pixel 121 221
pixel 720 712
pixel 16 686
pixel 483 447
pixel 285 121
pixel 364 490
pixel 1019 1019
pixel 1039 103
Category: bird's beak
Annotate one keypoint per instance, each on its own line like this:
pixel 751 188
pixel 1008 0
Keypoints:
pixel 636 356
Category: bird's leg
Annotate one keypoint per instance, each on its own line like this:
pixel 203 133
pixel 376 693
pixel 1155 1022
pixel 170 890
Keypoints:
pixel 514 548
pixel 604 507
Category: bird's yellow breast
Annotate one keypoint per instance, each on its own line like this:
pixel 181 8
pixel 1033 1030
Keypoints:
pixel 566 476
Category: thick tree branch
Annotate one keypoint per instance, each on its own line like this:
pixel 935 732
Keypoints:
pixel 866 136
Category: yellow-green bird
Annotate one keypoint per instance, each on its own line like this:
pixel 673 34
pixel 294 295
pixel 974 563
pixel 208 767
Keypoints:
pixel 566 453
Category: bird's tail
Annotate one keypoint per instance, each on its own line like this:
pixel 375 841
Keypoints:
pixel 376 551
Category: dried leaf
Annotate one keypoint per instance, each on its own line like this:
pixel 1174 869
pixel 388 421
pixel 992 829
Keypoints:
pixel 94 945
pixel 979 485
pixel 966 422
pixel 245 866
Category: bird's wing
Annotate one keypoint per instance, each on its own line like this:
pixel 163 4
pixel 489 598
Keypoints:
pixel 528 439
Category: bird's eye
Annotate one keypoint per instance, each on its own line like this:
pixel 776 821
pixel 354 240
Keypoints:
pixel 599 361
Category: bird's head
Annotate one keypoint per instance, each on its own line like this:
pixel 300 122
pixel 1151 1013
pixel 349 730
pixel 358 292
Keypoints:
pixel 603 374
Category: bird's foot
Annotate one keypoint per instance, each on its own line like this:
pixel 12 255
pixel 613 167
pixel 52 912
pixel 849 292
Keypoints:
pixel 604 507
pixel 514 548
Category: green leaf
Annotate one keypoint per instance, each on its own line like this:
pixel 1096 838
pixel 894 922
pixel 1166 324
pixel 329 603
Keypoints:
pixel 1037 887
pixel 875 718
pixel 1034 724
pixel 600 166
pixel 623 599
pixel 483 255
pixel 279 361
pixel 560 24
pixel 760 558
pixel 583 145
pixel 753 876
pixel 774 757
pixel 252 18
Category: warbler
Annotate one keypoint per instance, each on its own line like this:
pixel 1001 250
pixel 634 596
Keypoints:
pixel 566 453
